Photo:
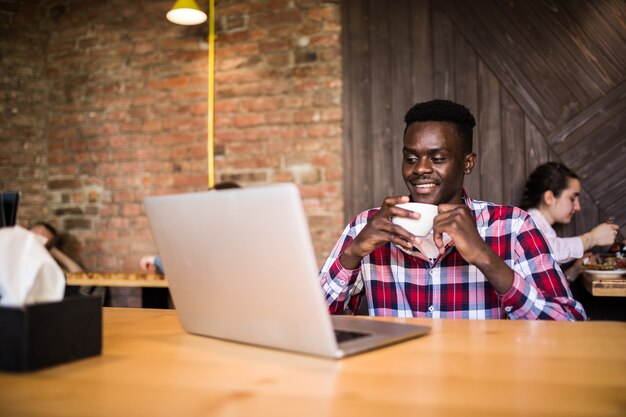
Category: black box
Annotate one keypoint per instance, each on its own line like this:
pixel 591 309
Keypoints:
pixel 40 335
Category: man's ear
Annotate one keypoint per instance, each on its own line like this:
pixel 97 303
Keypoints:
pixel 470 160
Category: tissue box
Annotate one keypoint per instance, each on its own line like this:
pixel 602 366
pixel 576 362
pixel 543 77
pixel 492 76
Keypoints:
pixel 40 335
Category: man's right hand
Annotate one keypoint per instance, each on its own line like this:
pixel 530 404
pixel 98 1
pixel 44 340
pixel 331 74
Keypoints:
pixel 380 230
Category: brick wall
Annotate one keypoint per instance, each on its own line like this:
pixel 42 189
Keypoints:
pixel 126 114
pixel 23 97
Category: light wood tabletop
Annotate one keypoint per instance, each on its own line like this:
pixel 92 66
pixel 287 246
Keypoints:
pixel 151 367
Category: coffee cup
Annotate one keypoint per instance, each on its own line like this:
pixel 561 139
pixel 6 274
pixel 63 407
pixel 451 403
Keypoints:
pixel 419 227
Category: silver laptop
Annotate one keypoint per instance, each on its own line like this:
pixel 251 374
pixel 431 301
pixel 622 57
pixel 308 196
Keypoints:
pixel 241 267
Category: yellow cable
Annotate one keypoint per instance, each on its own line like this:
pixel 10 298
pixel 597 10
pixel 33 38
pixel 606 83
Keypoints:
pixel 211 98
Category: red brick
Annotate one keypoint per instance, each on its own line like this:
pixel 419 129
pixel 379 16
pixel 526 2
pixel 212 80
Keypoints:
pixel 127 117
pixel 250 119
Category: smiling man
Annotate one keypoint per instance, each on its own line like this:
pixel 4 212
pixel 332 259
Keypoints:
pixel 493 262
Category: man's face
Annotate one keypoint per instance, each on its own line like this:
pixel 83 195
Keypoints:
pixel 434 162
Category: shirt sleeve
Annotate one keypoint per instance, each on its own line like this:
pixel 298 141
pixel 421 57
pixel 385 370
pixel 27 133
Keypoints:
pixel 342 287
pixel 539 288
pixel 564 249
pixel 158 265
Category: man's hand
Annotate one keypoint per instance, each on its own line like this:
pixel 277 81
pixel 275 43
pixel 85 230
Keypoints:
pixel 380 230
pixel 459 223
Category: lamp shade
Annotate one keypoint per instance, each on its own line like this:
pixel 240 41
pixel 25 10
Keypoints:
pixel 186 12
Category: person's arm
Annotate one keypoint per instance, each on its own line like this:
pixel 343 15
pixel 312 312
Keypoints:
pixel 525 274
pixel 539 290
pixel 372 229
pixel 66 262
pixel 601 235
pixel 158 265
pixel 459 223
pixel 341 286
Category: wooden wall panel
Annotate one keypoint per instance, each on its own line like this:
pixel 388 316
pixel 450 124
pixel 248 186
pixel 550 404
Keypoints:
pixel 466 92
pixel 402 68
pixel 513 149
pixel 356 57
pixel 381 78
pixel 545 80
pixel 443 55
pixel 488 130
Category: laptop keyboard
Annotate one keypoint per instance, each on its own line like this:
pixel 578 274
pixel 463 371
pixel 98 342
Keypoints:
pixel 344 335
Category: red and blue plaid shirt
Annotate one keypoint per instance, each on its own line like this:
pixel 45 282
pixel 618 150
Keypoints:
pixel 401 285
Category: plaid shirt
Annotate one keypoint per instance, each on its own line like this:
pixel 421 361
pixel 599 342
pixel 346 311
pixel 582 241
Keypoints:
pixel 401 285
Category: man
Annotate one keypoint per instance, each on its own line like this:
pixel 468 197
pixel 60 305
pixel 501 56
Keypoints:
pixel 51 238
pixel 49 234
pixel 495 262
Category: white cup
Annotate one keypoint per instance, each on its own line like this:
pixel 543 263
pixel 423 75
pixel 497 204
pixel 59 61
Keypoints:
pixel 418 227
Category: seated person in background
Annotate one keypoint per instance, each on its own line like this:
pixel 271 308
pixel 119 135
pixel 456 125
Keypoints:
pixel 496 264
pixel 66 263
pixel 47 231
pixel 152 263
pixel 551 195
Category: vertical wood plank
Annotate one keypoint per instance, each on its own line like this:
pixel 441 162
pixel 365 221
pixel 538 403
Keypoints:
pixel 381 58
pixel 402 78
pixel 489 159
pixel 466 93
pixel 357 119
pixel 421 51
pixel 443 56
pixel 421 69
pixel 537 150
pixel 514 172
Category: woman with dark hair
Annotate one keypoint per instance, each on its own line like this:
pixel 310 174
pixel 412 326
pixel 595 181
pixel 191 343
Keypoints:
pixel 551 195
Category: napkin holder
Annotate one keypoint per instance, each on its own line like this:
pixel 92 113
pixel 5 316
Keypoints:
pixel 45 334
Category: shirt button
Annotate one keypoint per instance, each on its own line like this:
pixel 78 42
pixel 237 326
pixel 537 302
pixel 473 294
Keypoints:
pixel 431 309
pixel 342 282
pixel 508 309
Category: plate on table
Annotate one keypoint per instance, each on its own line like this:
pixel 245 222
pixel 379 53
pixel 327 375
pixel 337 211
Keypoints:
pixel 606 274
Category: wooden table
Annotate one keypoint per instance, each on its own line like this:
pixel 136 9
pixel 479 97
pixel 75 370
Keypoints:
pixel 154 288
pixel 601 287
pixel 114 279
pixel 150 367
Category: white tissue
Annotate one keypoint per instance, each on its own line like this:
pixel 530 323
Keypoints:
pixel 28 273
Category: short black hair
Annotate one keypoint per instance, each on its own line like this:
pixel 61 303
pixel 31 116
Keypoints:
pixel 444 111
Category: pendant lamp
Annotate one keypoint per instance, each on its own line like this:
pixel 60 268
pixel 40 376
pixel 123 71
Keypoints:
pixel 186 12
